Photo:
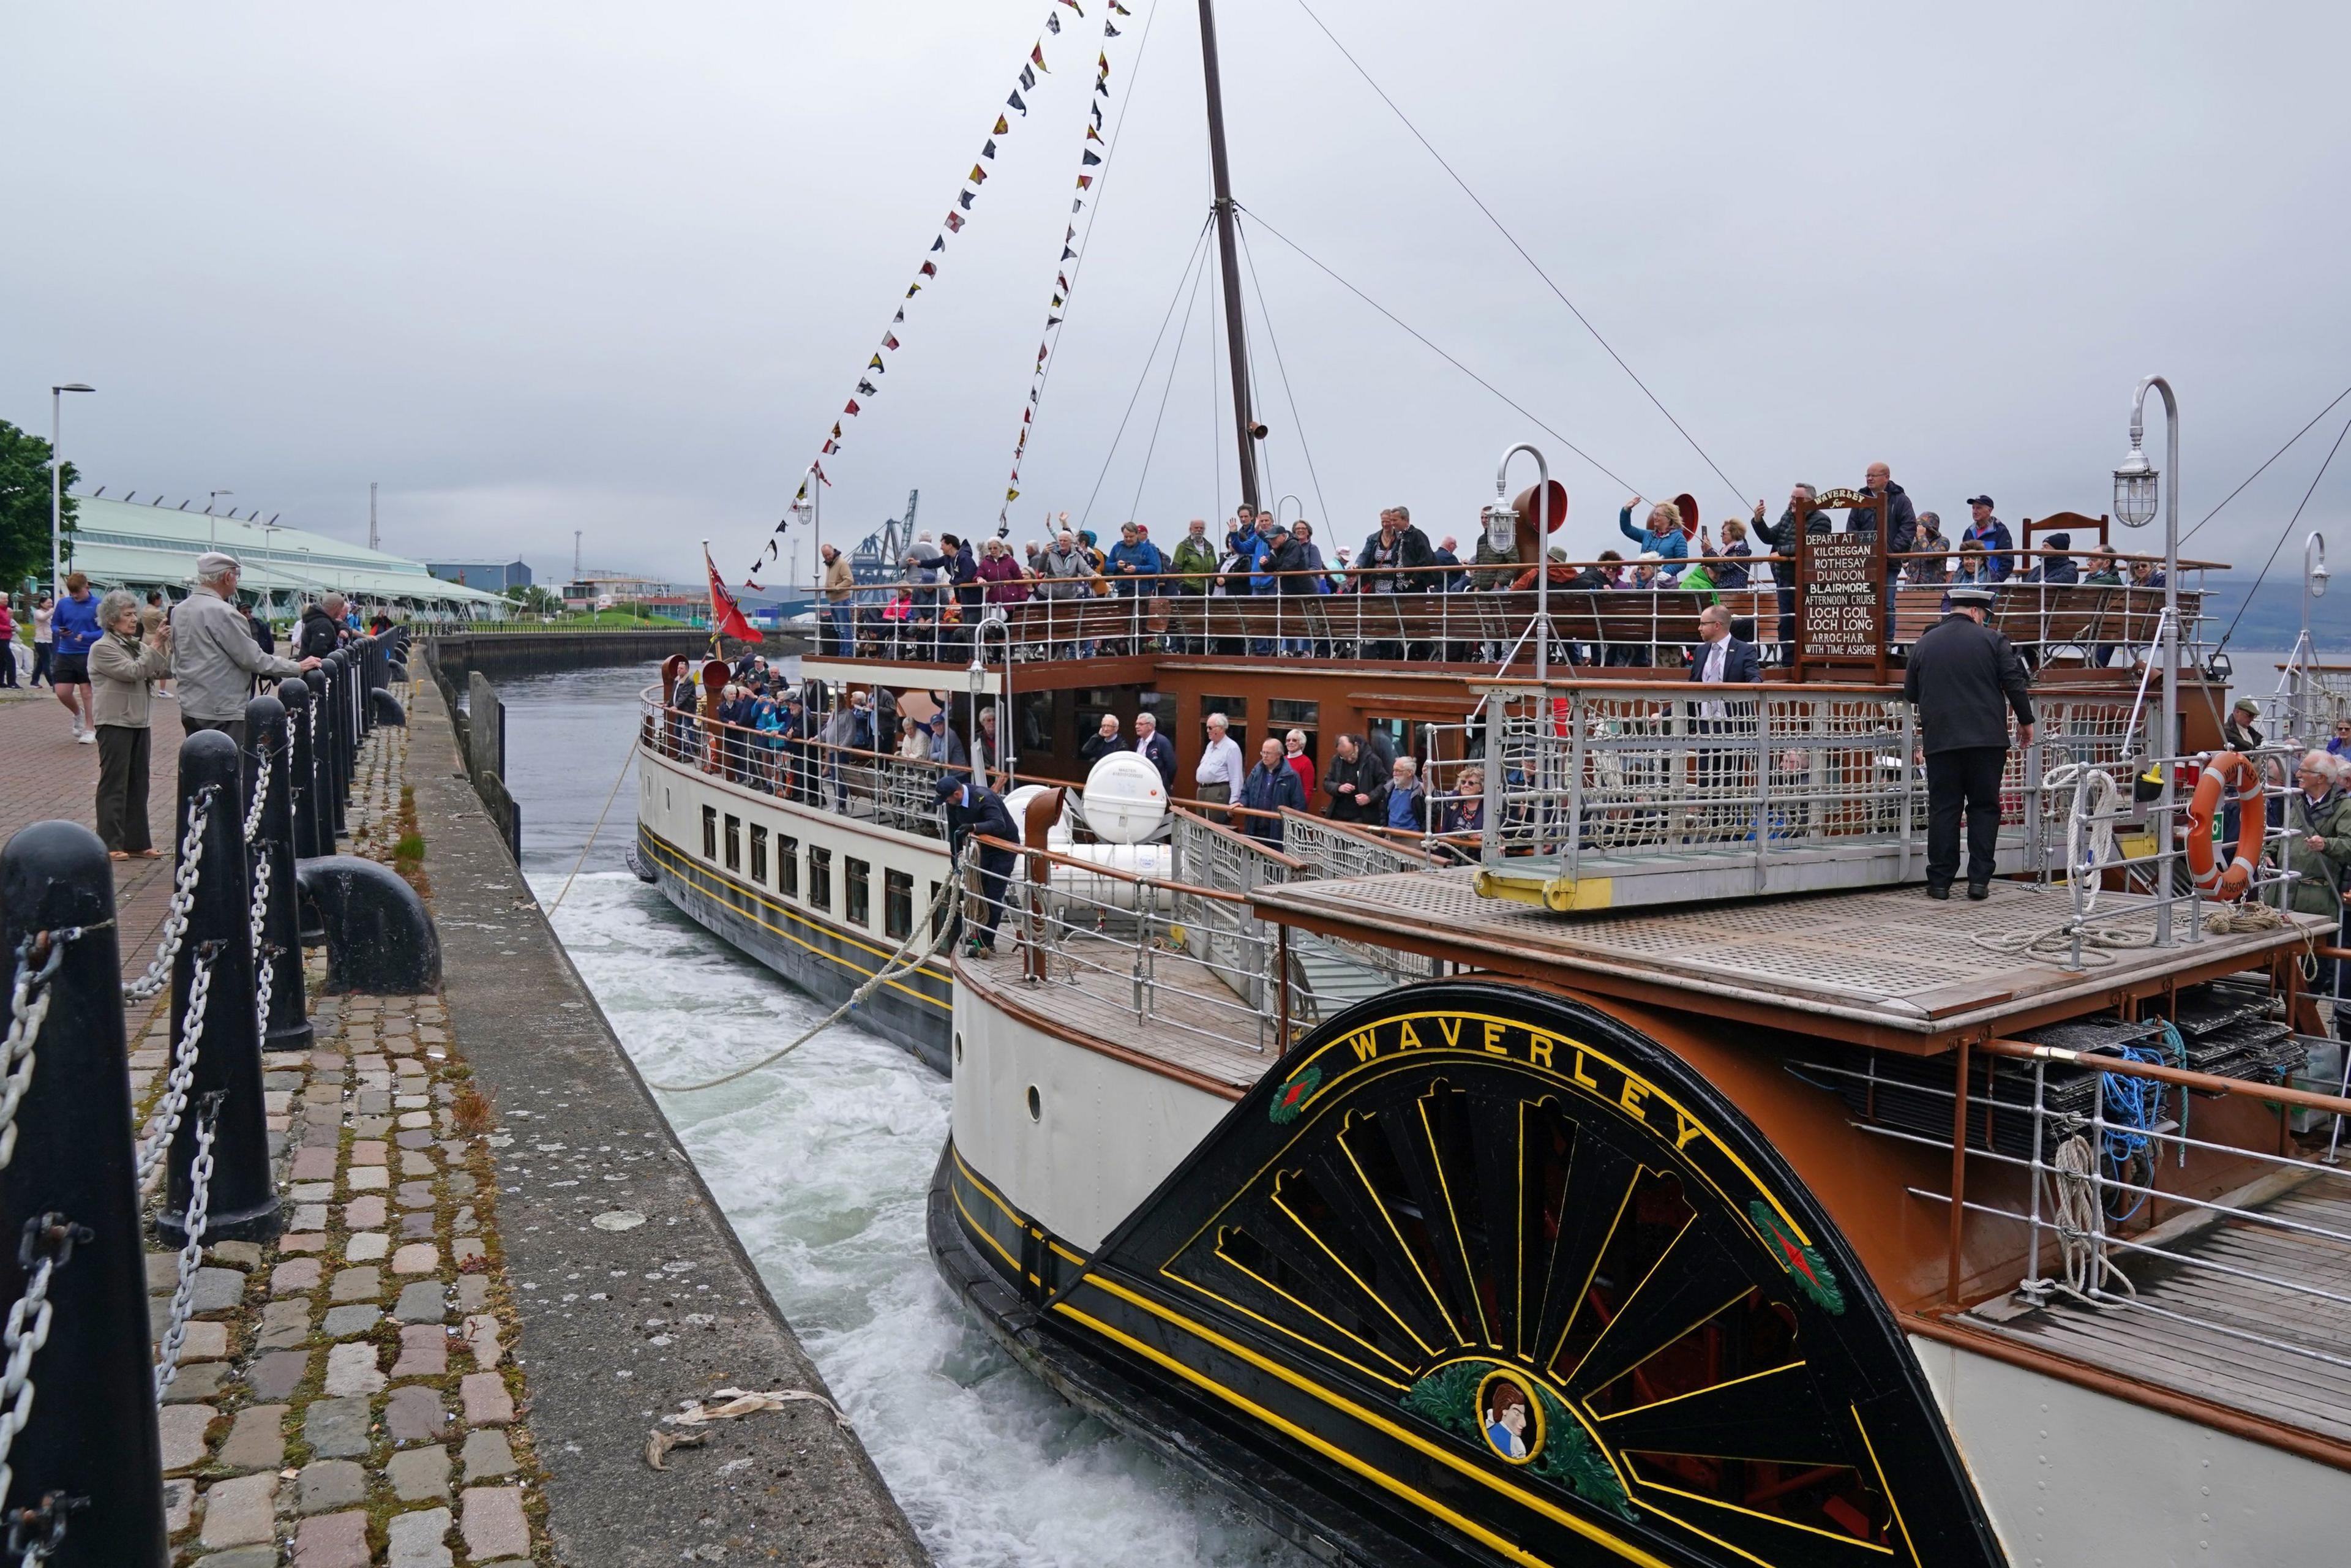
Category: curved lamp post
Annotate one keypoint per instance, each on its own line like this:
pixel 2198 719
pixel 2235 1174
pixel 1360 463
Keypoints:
pixel 2313 586
pixel 1501 516
pixel 2138 486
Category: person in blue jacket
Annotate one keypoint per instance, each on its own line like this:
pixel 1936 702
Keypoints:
pixel 75 630
pixel 1663 533
pixel 1131 563
pixel 1992 535
pixel 1270 785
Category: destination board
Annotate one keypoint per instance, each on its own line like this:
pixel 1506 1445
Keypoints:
pixel 1840 599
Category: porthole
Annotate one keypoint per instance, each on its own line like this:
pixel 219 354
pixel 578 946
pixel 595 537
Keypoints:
pixel 1036 1104
pixel 959 1046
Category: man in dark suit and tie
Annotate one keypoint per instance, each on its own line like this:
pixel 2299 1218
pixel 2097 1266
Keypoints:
pixel 1722 657
pixel 1724 759
pixel 1155 747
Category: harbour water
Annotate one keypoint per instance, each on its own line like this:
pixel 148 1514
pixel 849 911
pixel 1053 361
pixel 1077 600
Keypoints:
pixel 820 1162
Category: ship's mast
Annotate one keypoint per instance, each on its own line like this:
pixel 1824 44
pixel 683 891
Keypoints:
pixel 1236 334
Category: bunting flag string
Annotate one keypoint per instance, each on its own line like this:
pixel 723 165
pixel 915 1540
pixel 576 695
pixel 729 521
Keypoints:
pixel 1057 311
pixel 868 386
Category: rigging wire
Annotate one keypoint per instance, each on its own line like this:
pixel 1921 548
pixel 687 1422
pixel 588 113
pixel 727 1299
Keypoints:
pixel 1183 285
pixel 2272 458
pixel 1175 363
pixel 1532 417
pixel 1102 196
pixel 2285 534
pixel 1248 258
pixel 1735 492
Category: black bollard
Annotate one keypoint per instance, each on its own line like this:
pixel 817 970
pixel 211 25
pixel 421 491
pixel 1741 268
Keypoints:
pixel 320 776
pixel 294 696
pixel 243 1204
pixel 272 842
pixel 362 679
pixel 337 721
pixel 379 937
pixel 69 1196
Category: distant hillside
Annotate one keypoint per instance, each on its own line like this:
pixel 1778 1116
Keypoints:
pixel 2274 617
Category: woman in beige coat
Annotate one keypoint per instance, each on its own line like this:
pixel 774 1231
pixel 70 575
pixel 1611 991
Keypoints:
pixel 124 666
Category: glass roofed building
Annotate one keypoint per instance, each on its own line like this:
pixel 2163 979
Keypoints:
pixel 140 547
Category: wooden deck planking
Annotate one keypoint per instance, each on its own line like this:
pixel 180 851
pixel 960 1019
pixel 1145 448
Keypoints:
pixel 2198 1357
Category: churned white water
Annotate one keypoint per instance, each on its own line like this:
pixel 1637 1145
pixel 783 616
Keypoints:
pixel 821 1162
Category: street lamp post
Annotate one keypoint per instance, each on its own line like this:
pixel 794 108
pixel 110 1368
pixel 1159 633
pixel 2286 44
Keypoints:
pixel 209 501
pixel 2313 586
pixel 57 481
pixel 1543 521
pixel 2136 487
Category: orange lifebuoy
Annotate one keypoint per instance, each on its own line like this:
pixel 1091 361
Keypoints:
pixel 2252 821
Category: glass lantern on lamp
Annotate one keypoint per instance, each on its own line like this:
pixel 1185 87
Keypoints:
pixel 1501 525
pixel 2135 487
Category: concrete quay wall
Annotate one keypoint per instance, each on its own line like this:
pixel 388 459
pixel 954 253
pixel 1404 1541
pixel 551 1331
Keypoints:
pixel 503 655
pixel 619 1321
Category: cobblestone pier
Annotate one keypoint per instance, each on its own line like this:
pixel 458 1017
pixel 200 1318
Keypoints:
pixel 498 1271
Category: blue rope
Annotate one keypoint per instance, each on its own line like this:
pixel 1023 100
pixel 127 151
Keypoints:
pixel 2134 1107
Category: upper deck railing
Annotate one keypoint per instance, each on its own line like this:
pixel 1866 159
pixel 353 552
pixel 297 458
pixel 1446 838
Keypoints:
pixel 1461 615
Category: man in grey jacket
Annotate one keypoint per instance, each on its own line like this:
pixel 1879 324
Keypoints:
pixel 213 656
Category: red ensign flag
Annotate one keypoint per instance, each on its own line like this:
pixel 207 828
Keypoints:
pixel 726 615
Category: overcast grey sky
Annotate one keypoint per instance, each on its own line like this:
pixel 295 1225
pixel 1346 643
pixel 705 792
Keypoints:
pixel 616 267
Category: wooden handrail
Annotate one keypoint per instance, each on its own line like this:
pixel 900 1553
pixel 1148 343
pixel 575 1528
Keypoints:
pixel 2023 1051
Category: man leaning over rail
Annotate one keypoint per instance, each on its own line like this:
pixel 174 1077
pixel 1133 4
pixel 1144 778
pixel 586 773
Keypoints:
pixel 1961 674
pixel 972 809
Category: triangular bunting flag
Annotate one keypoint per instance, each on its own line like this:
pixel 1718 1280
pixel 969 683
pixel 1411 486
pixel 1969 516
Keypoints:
pixel 1120 9
pixel 1053 321
pixel 1012 494
pixel 1003 126
pixel 940 243
pixel 1067 253
pixel 771 545
pixel 1085 181
pixel 1057 302
pixel 979 176
pixel 867 388
pixel 954 223
pixel 989 151
pixel 1028 414
pixel 752 584
pixel 1073 5
pixel 876 362
pixel 1102 86
pixel 830 446
pixel 930 269
pixel 1052 23
pixel 1071 233
pixel 803 491
pixel 964 199
pixel 852 409
pixel 1028 77
pixel 817 468
pixel 1102 64
pixel 1090 158
pixel 914 289
pixel 836 430
pixel 1109 30
pixel 1097 108
pixel 899 317
pixel 1015 103
pixel 1093 135
pixel 1037 56
pixel 1077 206
pixel 1062 282
pixel 890 340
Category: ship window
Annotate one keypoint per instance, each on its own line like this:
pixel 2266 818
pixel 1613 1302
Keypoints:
pixel 819 876
pixel 1291 714
pixel 734 843
pixel 787 866
pixel 897 903
pixel 857 877
pixel 759 853
pixel 710 832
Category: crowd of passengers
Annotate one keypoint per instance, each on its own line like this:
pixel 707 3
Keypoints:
pixel 945 586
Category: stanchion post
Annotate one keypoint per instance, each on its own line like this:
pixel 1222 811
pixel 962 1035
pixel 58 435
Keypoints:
pixel 363 651
pixel 244 1199
pixel 91 1443
pixel 294 696
pixel 339 719
pixel 320 773
pixel 289 1024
